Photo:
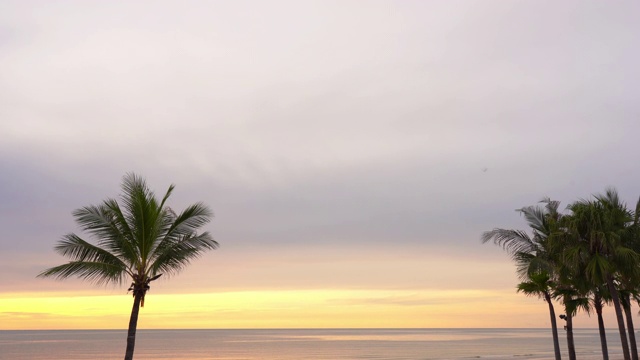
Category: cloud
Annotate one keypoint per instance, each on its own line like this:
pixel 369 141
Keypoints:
pixel 327 132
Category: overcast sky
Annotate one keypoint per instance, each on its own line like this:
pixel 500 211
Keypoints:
pixel 341 144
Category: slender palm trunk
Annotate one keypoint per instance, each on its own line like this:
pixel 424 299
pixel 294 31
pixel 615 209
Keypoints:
pixel 554 327
pixel 133 324
pixel 616 305
pixel 570 344
pixel 597 303
pixel 626 306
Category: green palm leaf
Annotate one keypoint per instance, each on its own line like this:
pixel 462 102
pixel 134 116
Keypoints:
pixel 137 237
pixel 92 271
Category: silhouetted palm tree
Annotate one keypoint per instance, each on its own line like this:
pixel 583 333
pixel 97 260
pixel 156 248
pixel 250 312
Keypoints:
pixel 573 299
pixel 541 285
pixel 630 279
pixel 573 255
pixel 532 257
pixel 601 226
pixel 138 238
pixel 626 295
pixel 598 303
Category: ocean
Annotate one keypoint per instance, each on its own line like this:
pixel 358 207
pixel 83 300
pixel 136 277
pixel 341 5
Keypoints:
pixel 298 344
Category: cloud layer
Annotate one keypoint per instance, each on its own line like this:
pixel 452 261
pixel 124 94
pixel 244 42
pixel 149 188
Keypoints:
pixel 357 135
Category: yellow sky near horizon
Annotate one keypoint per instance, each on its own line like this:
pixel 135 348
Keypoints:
pixel 289 289
pixel 353 154
pixel 278 309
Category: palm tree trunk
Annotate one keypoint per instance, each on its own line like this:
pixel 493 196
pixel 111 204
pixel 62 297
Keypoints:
pixel 570 344
pixel 554 327
pixel 597 303
pixel 133 324
pixel 626 306
pixel 616 305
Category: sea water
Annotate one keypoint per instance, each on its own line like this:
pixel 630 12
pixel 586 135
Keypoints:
pixel 298 344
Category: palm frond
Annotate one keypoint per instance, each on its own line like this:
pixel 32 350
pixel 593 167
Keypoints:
pixel 190 219
pixel 74 247
pixel 185 224
pixel 92 271
pixel 538 285
pixel 512 241
pixel 536 218
pixel 573 305
pixel 126 244
pixel 96 220
pixel 166 195
pixel 523 264
pixel 551 206
pixel 142 213
pixel 610 198
pixel 103 222
pixel 177 254
pixel 540 265
pixel 627 256
pixel 597 268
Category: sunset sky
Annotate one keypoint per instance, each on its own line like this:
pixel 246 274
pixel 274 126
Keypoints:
pixel 353 151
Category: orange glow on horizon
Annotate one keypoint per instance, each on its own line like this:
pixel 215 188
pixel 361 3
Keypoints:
pixel 276 309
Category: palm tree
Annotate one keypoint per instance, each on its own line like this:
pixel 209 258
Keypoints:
pixel 629 278
pixel 598 304
pixel 573 300
pixel 531 255
pixel 541 285
pixel 601 226
pixel 626 295
pixel 138 238
pixel 574 259
pixel 571 289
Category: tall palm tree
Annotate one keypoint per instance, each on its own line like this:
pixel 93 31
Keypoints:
pixel 138 238
pixel 598 303
pixel 629 280
pixel 532 257
pixel 541 285
pixel 601 226
pixel 574 258
pixel 571 290
pixel 626 295
pixel 573 299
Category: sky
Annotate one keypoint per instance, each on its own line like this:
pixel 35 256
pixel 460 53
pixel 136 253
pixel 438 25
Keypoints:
pixel 353 152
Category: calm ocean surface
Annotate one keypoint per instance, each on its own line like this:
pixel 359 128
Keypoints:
pixel 354 344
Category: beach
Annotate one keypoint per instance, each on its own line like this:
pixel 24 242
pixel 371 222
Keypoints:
pixel 296 344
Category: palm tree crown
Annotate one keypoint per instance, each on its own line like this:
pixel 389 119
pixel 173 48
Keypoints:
pixel 534 261
pixel 138 238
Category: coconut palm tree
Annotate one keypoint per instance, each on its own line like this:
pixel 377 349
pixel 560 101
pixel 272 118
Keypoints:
pixel 598 303
pixel 541 285
pixel 573 288
pixel 532 257
pixel 601 226
pixel 138 238
pixel 573 299
pixel 629 279
pixel 575 256
pixel 568 287
pixel 626 295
